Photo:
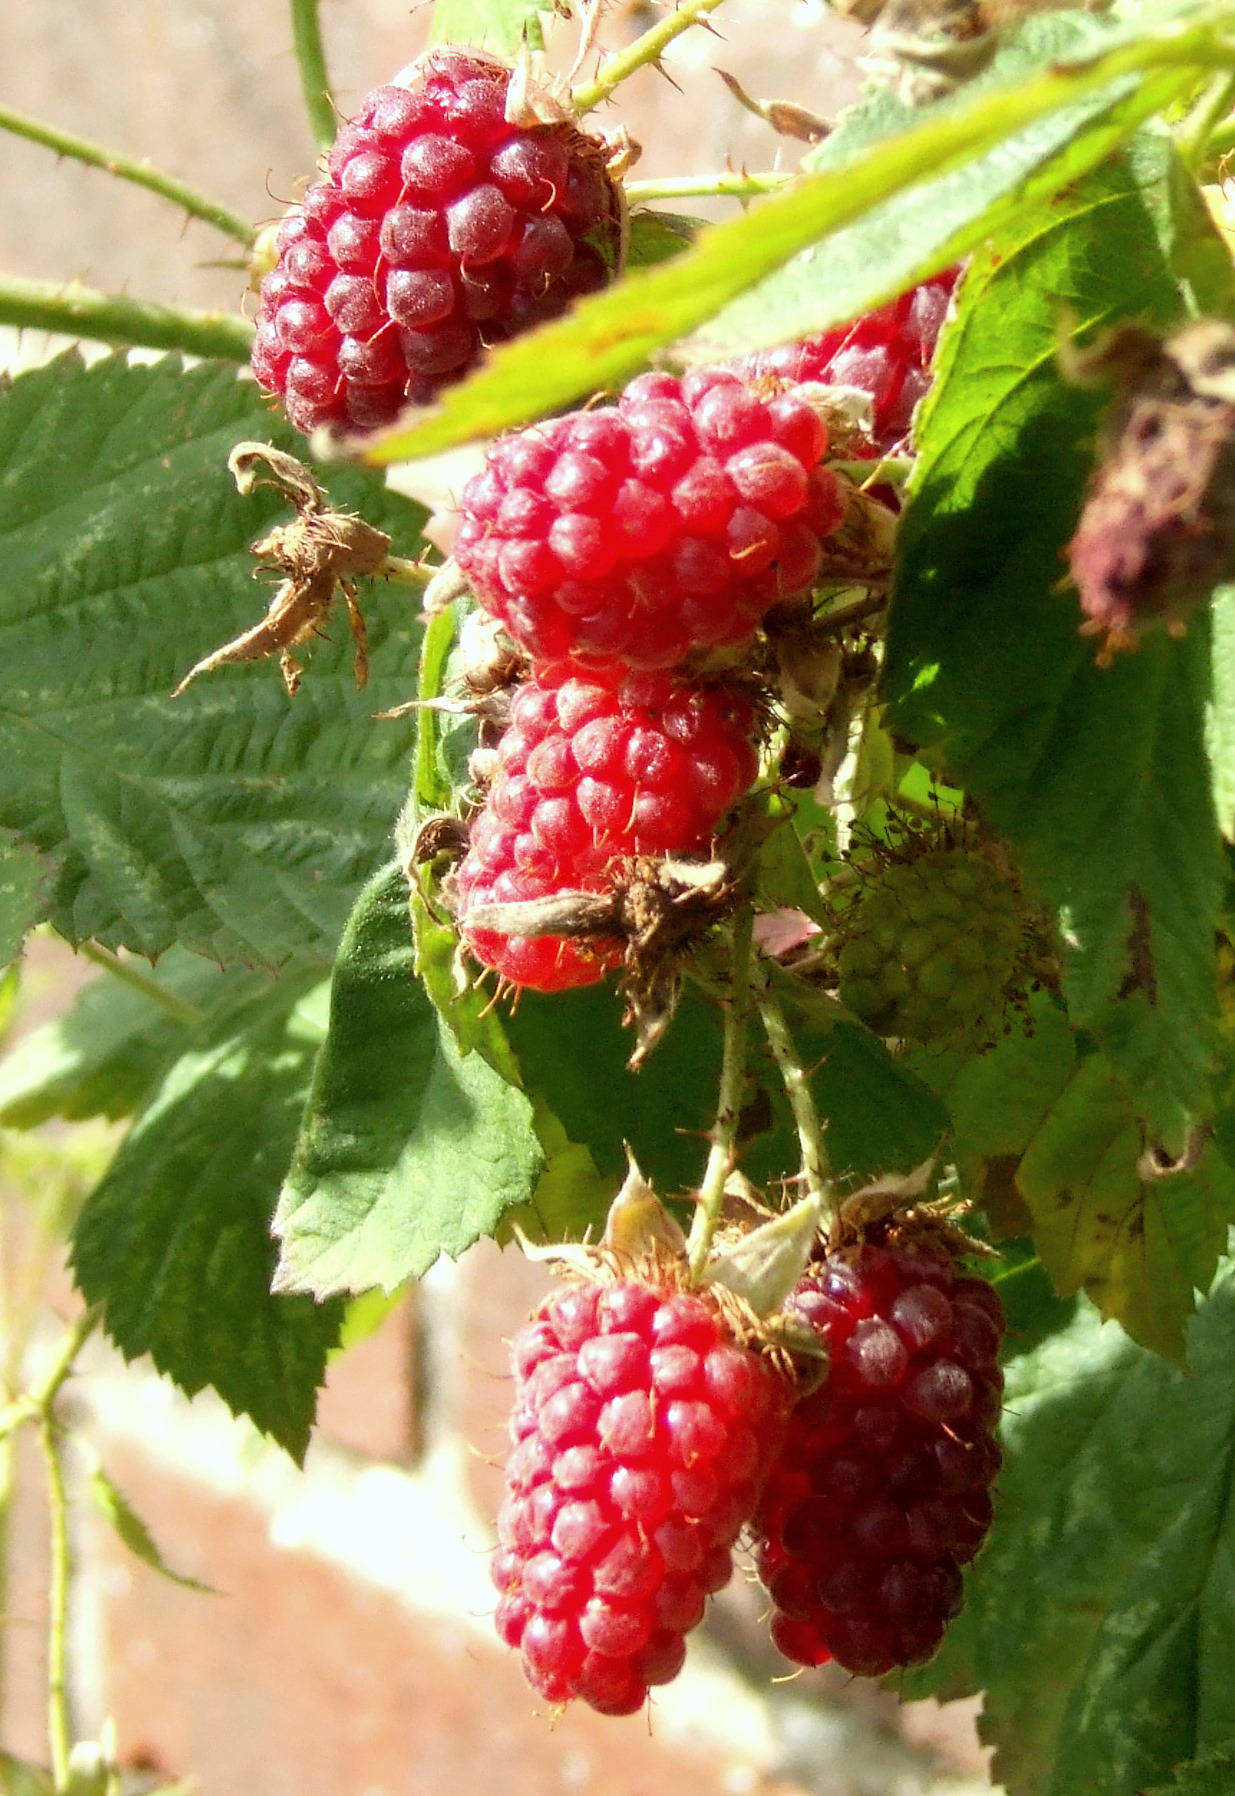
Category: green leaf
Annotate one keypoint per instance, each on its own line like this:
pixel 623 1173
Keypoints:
pixel 1212 1774
pixel 1100 1617
pixel 19 1779
pixel 1099 98
pixel 102 1056
pixel 232 820
pixel 783 874
pixel 408 1148
pixel 21 875
pixel 175 1241
pixel 1096 775
pixel 499 25
pixel 1220 711
pixel 1054 1142
pixel 916 232
pixel 129 1527
pixel 658 236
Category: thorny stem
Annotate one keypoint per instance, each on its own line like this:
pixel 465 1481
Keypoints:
pixel 703 187
pixel 805 1116
pixel 127 168
pixel 72 310
pixel 645 49
pixel 723 1150
pixel 314 81
pixel 128 974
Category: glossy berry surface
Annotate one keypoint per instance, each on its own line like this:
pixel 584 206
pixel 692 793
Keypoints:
pixel 930 949
pixel 886 353
pixel 640 1435
pixel 639 532
pixel 592 768
pixel 437 229
pixel 881 1492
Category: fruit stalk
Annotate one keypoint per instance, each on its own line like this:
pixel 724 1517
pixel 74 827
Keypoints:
pixel 722 1152
pixel 645 49
pixel 807 1121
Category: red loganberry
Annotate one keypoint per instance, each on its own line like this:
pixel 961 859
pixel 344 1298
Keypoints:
pixel 596 766
pixel 638 532
pixel 642 1431
pixel 436 230
pixel 887 353
pixel 881 1490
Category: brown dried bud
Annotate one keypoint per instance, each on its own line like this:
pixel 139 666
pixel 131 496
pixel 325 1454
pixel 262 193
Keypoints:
pixel 1157 532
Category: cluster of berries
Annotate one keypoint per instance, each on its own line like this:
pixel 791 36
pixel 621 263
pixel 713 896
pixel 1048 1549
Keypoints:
pixel 438 228
pixel 612 545
pixel 645 1438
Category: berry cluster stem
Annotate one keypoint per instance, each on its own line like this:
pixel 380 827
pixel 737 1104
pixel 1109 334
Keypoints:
pixel 645 49
pixel 127 168
pixel 809 1124
pixel 72 310
pixel 59 1732
pixel 722 1153
pixel 314 82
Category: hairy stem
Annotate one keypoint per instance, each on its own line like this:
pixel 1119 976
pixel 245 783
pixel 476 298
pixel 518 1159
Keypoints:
pixel 704 187
pixel 129 975
pixel 1196 134
pixel 644 50
pixel 806 1118
pixel 314 81
pixel 404 572
pixel 722 1153
pixel 127 168
pixel 72 310
pixel 59 1735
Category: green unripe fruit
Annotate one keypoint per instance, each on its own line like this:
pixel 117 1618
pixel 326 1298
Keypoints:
pixel 930 949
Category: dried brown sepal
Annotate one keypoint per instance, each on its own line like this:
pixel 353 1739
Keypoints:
pixel 664 907
pixel 786 117
pixel 1157 531
pixel 319 555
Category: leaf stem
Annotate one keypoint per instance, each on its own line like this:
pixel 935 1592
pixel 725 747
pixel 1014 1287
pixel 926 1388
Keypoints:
pixel 127 168
pixel 72 310
pixel 180 1008
pixel 645 49
pixel 722 1153
pixel 704 187
pixel 314 81
pixel 810 1127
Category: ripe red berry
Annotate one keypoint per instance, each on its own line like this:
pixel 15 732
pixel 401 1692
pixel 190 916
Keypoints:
pixel 596 766
pixel 641 1432
pixel 436 230
pixel 638 532
pixel 881 1491
pixel 886 353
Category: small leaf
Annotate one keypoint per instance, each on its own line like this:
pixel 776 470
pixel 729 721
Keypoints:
pixel 103 1055
pixel 409 1148
pixel 1220 710
pixel 116 1509
pixel 503 26
pixel 175 1241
